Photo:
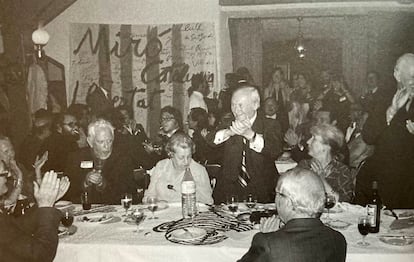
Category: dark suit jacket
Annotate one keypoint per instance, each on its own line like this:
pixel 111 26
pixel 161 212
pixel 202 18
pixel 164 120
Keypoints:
pixel 392 163
pixel 98 102
pixel 117 173
pixel 260 166
pixel 305 239
pixel 32 237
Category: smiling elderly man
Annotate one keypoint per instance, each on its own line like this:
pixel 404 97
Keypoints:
pixel 102 171
pixel 250 149
pixel 300 199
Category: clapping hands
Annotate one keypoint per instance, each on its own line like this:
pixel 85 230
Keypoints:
pixel 50 189
pixel 269 224
pixel 242 127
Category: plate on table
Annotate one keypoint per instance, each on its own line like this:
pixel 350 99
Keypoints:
pixel 99 219
pixel 397 240
pixel 188 233
pixel 241 208
pixel 162 204
pixel 338 224
pixel 62 204
pixel 336 209
pixel 63 231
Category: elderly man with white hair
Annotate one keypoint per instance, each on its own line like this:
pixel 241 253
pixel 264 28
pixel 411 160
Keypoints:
pixel 250 149
pixel 101 170
pixel 390 127
pixel 300 198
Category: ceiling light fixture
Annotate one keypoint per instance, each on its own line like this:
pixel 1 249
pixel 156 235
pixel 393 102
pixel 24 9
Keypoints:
pixel 300 45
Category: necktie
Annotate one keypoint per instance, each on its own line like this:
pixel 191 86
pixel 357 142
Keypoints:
pixel 244 177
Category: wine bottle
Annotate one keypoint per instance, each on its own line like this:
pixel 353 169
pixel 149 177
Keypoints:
pixel 188 195
pixel 374 209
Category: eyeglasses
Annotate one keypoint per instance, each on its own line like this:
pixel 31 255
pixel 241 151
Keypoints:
pixel 4 174
pixel 71 124
pixel 166 119
pixel 281 194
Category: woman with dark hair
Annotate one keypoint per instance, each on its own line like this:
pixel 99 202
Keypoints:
pixel 324 146
pixel 198 122
pixel 167 175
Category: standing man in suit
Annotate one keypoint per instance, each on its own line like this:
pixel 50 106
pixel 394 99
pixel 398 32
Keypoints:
pixel 104 173
pixel 250 149
pixel 300 199
pixel 391 129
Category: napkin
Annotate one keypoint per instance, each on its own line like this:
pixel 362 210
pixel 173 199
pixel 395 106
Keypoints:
pixel 402 223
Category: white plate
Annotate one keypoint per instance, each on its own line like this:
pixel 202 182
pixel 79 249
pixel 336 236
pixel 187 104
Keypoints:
pixel 62 203
pixel 338 224
pixel 96 218
pixel 397 240
pixel 162 204
pixel 189 233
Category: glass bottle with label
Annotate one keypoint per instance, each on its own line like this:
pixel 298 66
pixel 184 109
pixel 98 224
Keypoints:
pixel 374 209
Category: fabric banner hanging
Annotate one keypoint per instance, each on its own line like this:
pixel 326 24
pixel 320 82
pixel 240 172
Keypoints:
pixel 145 66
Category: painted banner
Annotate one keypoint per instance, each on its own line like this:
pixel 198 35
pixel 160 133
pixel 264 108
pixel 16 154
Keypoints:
pixel 147 66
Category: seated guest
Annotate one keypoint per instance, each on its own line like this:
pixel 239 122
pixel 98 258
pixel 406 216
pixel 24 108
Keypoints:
pixel 32 144
pixel 130 136
pixel 271 111
pixel 62 142
pixel 167 175
pixel 250 150
pixel 171 121
pixel 198 123
pixel 34 236
pixel 300 199
pixel 21 179
pixel 323 146
pixel 101 171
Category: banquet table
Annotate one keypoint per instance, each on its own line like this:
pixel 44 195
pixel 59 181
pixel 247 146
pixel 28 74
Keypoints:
pixel 117 241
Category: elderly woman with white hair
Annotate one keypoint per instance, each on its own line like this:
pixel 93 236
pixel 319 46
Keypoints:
pixel 167 175
pixel 324 145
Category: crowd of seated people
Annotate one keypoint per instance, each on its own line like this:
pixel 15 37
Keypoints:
pixel 346 141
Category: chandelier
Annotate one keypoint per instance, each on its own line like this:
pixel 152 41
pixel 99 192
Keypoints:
pixel 299 45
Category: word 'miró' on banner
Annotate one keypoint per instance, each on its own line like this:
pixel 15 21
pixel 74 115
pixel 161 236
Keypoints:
pixel 145 66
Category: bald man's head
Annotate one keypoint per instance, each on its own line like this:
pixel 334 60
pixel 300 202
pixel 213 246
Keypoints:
pixel 245 102
pixel 404 71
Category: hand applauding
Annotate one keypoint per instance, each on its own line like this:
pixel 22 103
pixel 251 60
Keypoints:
pixel 269 224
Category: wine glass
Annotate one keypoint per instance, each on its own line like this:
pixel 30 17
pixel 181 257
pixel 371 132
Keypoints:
pixel 363 228
pixel 126 202
pixel 152 206
pixel 250 202
pixel 330 202
pixel 138 216
pixel 233 204
pixel 67 220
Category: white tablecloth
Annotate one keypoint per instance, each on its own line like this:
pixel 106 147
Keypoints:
pixel 117 242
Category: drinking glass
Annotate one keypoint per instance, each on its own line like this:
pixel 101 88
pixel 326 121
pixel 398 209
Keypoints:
pixel 363 228
pixel 126 202
pixel 152 206
pixel 86 204
pixel 138 216
pixel 233 204
pixel 67 220
pixel 250 202
pixel 330 202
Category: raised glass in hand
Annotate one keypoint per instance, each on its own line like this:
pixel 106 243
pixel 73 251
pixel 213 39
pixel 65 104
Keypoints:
pixel 126 202
pixel 250 202
pixel 233 204
pixel 152 203
pixel 363 228
pixel 330 202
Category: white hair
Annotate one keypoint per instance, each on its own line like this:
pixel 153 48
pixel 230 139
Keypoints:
pixel 402 60
pixel 305 189
pixel 99 124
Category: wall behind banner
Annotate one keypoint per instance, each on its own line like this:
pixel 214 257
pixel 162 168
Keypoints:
pixel 146 66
